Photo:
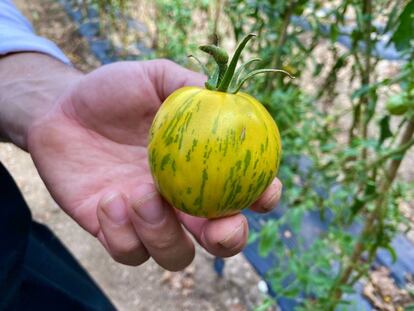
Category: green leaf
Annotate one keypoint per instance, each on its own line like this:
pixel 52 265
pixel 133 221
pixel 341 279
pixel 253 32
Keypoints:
pixel 213 79
pixel 240 70
pixel 266 305
pixel 362 91
pixel 372 104
pixel 292 292
pixel 268 237
pixel 411 292
pixel 228 75
pixel 348 290
pixel 392 252
pixel 205 71
pixel 318 69
pixel 370 188
pixel 385 130
pixel 357 206
pixel 403 35
pixel 256 72
pixel 356 36
pixel 253 237
pixel 334 33
pixel 328 147
pixel 392 18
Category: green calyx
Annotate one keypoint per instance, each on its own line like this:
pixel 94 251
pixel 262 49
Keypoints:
pixel 225 77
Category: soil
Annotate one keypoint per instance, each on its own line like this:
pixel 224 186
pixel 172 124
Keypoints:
pixel 148 287
pixel 383 293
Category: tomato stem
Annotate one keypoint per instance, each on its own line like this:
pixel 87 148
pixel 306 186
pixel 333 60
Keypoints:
pixel 228 76
pixel 256 72
pixel 240 70
pixel 220 56
pixel 205 71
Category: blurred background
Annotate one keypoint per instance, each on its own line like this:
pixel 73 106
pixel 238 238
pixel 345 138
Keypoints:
pixel 344 228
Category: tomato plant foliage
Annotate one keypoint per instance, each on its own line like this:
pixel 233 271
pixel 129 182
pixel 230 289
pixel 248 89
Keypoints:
pixel 333 115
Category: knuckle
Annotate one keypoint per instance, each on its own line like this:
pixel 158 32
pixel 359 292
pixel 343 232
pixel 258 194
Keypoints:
pixel 126 248
pixel 166 62
pixel 165 241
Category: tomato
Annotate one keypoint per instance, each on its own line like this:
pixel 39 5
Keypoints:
pixel 213 151
pixel 397 104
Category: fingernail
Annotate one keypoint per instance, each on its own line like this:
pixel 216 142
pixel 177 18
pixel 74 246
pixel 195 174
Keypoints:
pixel 114 208
pixel 234 238
pixel 150 208
pixel 270 204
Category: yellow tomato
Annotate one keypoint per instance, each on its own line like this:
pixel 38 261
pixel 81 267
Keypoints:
pixel 213 153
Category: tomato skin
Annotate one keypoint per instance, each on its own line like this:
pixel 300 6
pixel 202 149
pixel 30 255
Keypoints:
pixel 212 153
pixel 397 105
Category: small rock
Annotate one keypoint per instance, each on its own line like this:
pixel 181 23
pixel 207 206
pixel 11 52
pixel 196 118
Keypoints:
pixel 262 285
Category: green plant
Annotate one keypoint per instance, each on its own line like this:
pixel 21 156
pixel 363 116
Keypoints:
pixel 111 13
pixel 332 113
pixel 176 27
pixel 358 178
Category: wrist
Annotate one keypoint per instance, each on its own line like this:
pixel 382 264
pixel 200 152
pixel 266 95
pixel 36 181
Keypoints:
pixel 30 85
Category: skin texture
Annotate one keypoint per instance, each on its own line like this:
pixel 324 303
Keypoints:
pixel 87 135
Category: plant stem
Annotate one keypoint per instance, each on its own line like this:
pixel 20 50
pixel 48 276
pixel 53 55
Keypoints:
pixel 228 75
pixel 283 34
pixel 155 39
pixel 401 149
pixel 361 116
pixel 367 12
pixel 355 259
pixel 220 57
pixel 406 139
pixel 355 122
pixel 214 38
pixel 336 291
pixel 277 59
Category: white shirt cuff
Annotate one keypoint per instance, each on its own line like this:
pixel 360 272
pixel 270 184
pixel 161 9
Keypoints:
pixel 17 35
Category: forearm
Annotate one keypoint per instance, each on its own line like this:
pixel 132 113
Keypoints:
pixel 30 83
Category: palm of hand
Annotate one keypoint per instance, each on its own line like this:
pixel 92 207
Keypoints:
pixel 93 143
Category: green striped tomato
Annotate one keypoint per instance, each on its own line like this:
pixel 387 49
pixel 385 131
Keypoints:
pixel 213 153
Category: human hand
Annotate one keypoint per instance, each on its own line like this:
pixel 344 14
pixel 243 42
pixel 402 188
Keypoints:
pixel 90 150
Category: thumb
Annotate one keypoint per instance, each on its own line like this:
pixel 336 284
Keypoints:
pixel 168 76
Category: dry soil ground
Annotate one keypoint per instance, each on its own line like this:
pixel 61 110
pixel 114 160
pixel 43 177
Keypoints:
pixel 147 287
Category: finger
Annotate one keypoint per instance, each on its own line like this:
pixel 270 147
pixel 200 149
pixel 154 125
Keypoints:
pixel 269 199
pixel 222 237
pixel 159 230
pixel 118 234
pixel 168 76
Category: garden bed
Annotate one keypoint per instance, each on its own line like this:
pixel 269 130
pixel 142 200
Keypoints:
pixel 109 48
